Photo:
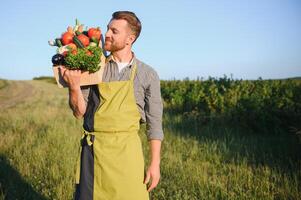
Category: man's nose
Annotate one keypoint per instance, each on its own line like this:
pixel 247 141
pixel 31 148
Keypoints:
pixel 108 34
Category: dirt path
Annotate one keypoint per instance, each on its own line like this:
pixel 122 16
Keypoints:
pixel 15 92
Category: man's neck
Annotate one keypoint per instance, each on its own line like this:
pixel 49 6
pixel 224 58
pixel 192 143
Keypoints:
pixel 124 55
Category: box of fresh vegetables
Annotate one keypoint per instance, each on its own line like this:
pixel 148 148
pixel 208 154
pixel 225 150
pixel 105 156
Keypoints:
pixel 79 48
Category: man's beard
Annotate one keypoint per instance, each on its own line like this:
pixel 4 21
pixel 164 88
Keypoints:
pixel 113 47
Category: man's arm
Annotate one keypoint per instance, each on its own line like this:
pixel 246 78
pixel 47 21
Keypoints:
pixel 153 113
pixel 77 102
pixel 76 99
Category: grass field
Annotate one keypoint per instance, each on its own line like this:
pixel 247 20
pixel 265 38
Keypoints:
pixel 40 142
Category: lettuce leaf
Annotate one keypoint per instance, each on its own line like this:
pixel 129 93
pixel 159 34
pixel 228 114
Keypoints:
pixel 83 61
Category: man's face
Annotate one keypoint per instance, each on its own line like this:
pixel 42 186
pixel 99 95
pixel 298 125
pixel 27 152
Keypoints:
pixel 118 35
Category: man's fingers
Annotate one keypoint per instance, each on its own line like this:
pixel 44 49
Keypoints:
pixel 152 186
pixel 73 71
pixel 146 180
pixel 154 183
pixel 62 70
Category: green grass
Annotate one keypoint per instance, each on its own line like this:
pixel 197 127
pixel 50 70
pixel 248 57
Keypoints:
pixel 39 147
pixel 215 162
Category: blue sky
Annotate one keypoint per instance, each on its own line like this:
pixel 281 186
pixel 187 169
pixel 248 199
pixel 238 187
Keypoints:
pixel 248 39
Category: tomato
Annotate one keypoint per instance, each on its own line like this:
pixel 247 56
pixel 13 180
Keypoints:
pixel 74 52
pixel 89 53
pixel 94 33
pixel 72 46
pixel 84 39
pixel 67 38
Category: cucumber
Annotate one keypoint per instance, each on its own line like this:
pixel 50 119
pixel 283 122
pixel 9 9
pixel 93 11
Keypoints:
pixel 77 42
pixel 58 42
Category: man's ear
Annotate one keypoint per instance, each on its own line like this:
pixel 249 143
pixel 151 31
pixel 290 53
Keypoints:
pixel 131 39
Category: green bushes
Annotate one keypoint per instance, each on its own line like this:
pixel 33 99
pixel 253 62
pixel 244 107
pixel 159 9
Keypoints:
pixel 261 105
pixel 48 79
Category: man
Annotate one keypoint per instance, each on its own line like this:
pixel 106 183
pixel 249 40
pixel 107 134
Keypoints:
pixel 112 164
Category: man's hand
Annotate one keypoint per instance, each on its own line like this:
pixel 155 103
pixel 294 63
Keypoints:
pixel 152 173
pixel 71 77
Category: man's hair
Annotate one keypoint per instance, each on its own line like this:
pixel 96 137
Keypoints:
pixel 132 20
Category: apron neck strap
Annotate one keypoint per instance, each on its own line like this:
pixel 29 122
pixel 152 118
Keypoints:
pixel 133 71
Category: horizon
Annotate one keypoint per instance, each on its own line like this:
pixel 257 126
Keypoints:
pixel 181 79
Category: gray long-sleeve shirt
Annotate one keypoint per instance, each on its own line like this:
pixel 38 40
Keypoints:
pixel 147 93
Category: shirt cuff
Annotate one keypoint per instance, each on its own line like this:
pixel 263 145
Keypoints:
pixel 155 135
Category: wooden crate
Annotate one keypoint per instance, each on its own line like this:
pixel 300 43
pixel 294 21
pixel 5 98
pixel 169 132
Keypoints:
pixel 86 77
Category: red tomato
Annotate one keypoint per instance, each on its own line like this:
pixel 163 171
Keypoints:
pixel 89 53
pixel 72 46
pixel 94 32
pixel 84 39
pixel 67 38
pixel 74 52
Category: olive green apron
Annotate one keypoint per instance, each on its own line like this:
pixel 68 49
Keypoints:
pixel 116 149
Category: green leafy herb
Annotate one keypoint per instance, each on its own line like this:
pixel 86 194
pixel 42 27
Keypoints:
pixel 87 58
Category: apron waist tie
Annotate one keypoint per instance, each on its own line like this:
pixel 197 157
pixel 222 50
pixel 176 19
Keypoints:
pixel 87 138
